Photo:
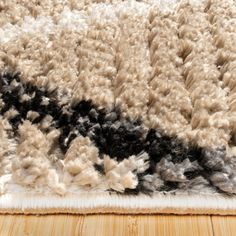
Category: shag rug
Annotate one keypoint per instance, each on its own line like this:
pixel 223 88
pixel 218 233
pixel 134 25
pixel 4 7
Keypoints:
pixel 118 106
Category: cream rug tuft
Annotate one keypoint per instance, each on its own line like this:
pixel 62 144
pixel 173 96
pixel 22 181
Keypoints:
pixel 118 106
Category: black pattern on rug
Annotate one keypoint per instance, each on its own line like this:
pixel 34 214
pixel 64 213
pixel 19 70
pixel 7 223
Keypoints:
pixel 178 163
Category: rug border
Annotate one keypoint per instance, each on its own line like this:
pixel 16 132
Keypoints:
pixel 116 204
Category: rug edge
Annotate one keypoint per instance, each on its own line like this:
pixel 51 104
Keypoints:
pixel 103 204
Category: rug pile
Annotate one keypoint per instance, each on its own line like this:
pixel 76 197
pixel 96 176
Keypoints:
pixel 118 106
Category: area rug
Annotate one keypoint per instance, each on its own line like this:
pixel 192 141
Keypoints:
pixel 114 106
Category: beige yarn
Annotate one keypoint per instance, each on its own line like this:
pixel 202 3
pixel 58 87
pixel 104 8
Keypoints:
pixel 175 70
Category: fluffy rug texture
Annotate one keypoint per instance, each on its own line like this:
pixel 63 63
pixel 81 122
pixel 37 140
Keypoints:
pixel 118 106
